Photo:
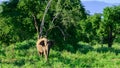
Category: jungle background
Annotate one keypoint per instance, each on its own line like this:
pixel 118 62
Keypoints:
pixel 81 40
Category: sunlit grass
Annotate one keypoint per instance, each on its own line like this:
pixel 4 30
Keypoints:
pixel 86 56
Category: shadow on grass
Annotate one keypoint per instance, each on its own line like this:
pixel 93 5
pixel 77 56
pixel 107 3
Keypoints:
pixel 83 48
pixel 106 49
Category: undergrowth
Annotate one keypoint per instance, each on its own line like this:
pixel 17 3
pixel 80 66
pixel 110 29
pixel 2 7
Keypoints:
pixel 24 55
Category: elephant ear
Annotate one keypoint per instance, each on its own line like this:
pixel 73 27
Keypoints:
pixel 42 43
pixel 50 43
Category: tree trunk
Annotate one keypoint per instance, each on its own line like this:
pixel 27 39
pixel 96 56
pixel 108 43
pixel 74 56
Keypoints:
pixel 110 38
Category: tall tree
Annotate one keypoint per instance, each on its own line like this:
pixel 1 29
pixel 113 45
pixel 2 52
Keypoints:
pixel 70 12
pixel 62 14
pixel 111 23
pixel 19 23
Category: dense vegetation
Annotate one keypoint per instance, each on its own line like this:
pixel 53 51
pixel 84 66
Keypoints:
pixel 24 55
pixel 81 39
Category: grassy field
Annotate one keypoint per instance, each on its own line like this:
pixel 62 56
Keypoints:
pixel 24 55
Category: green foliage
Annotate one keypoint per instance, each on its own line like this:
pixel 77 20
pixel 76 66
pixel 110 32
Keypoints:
pixel 111 22
pixel 25 45
pixel 14 23
pixel 20 16
pixel 68 24
pixel 88 28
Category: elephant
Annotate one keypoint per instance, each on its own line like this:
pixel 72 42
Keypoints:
pixel 43 46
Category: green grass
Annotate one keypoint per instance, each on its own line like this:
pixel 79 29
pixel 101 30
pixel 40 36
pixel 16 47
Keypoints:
pixel 24 55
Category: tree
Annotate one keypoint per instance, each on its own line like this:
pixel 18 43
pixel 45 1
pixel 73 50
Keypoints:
pixel 7 34
pixel 89 28
pixel 16 25
pixel 111 22
pixel 61 20
pixel 70 12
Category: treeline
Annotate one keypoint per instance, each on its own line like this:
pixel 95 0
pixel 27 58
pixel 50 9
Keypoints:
pixel 66 22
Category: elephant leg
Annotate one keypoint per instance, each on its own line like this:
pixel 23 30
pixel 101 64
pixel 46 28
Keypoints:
pixel 46 54
pixel 41 54
pixel 48 50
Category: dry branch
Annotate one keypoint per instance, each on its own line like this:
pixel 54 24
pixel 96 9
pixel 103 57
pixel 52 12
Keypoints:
pixel 35 22
pixel 42 24
pixel 55 26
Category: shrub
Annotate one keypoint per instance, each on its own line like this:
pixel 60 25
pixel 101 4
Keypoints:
pixel 25 44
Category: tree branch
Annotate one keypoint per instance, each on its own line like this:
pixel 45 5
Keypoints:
pixel 59 29
pixel 35 23
pixel 42 24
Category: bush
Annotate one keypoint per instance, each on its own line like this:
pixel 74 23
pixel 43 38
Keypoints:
pixel 25 44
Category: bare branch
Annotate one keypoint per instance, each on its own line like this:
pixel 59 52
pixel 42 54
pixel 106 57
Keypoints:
pixel 56 26
pixel 61 31
pixel 52 23
pixel 55 17
pixel 35 23
pixel 42 24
